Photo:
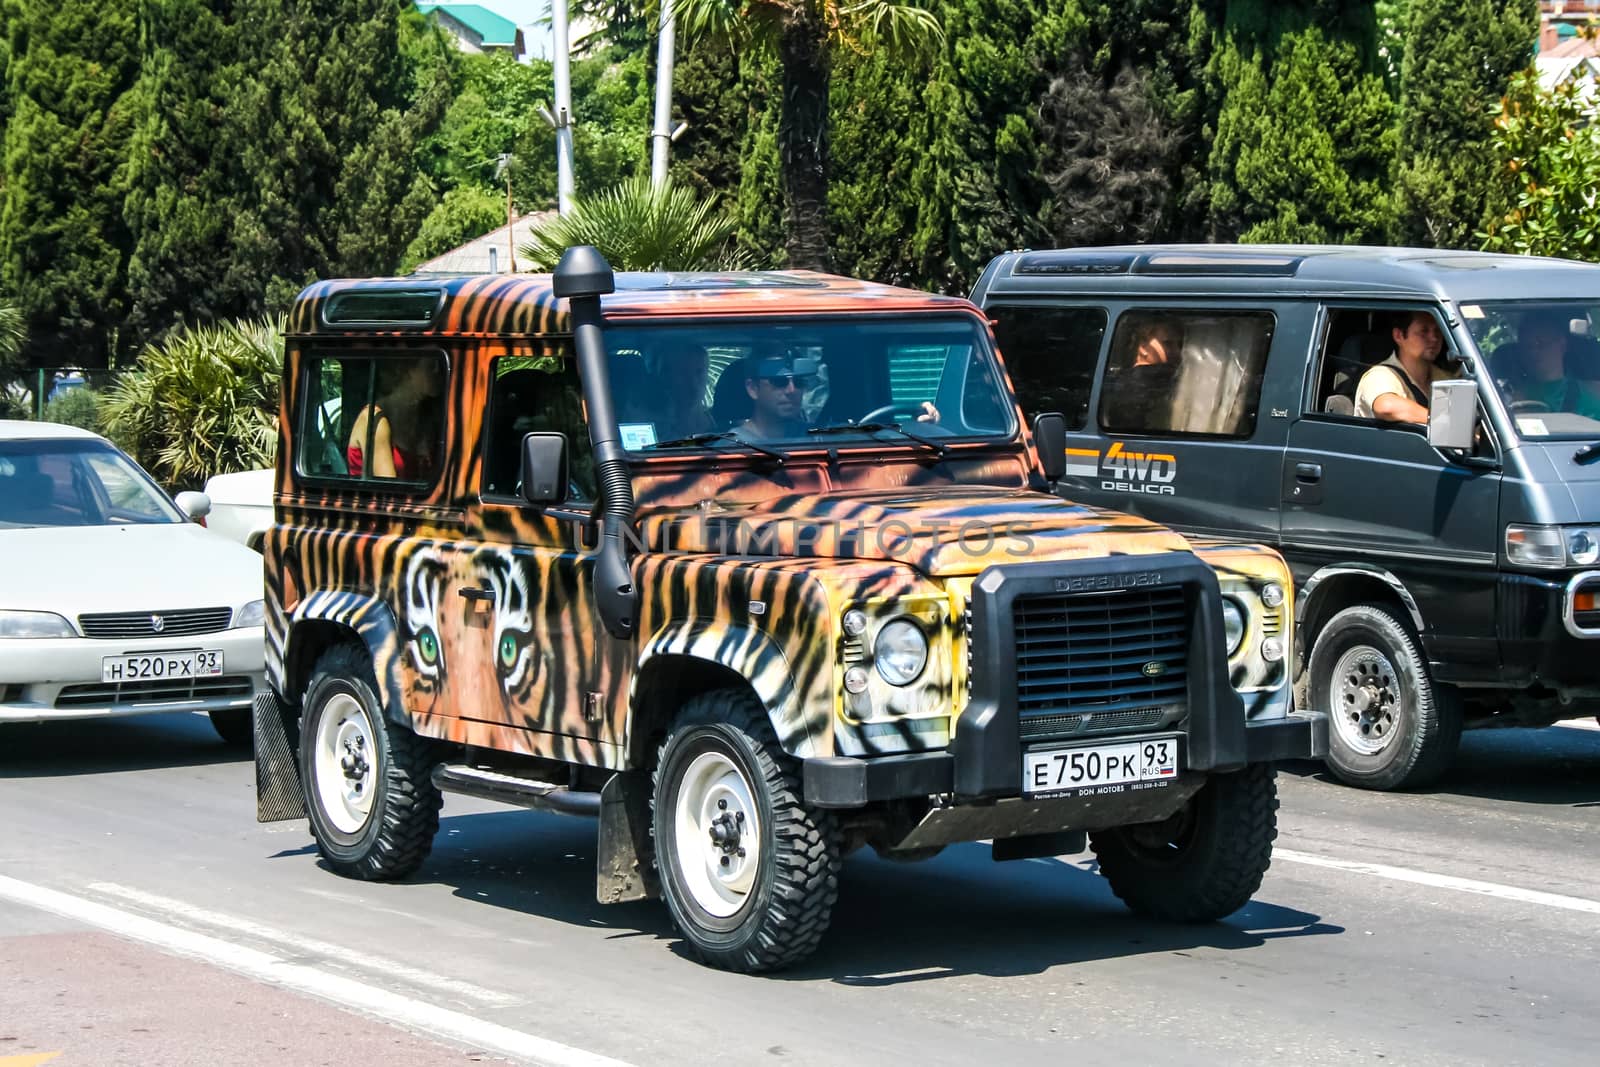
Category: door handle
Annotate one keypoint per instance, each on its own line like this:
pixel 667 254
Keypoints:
pixel 473 592
pixel 1308 472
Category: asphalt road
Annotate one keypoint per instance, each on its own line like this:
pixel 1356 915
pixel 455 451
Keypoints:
pixel 145 917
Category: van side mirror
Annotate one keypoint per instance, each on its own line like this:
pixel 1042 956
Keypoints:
pixel 1050 438
pixel 1453 414
pixel 544 469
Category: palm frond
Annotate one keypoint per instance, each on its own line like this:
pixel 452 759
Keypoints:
pixel 901 29
pixel 639 228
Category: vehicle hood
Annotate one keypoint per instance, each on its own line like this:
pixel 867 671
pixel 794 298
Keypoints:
pixel 1557 489
pixel 940 531
pixel 252 488
pixel 147 567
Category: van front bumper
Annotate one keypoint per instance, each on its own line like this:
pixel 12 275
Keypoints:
pixel 1544 640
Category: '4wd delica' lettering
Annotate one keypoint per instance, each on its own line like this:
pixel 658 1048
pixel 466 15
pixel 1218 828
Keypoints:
pixel 1138 472
pixel 753 569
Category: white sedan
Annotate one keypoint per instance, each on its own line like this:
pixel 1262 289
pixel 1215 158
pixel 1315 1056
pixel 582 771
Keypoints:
pixel 112 602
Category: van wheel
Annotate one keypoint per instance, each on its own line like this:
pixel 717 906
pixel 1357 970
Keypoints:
pixel 1392 728
pixel 1207 860
pixel 234 726
pixel 749 872
pixel 368 783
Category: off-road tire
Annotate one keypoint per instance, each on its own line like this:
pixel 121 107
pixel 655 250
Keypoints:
pixel 404 816
pixel 234 726
pixel 1203 863
pixel 1427 719
pixel 796 881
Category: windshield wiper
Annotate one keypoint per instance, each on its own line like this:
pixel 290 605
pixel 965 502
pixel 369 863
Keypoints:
pixel 880 427
pixel 1587 453
pixel 718 436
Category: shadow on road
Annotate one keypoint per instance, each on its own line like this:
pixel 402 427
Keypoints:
pixel 1557 765
pixel 112 745
pixel 958 914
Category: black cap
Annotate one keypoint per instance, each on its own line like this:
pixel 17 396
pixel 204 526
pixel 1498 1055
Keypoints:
pixel 583 271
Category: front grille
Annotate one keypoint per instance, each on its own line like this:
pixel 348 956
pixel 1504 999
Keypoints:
pixel 121 624
pixel 118 694
pixel 1271 623
pixel 1057 727
pixel 1092 654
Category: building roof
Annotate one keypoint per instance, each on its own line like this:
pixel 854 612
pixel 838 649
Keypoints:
pixel 489 254
pixel 494 30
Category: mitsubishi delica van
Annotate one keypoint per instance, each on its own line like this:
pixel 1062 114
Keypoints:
pixel 756 569
pixel 1446 573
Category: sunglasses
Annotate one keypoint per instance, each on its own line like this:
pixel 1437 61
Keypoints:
pixel 790 381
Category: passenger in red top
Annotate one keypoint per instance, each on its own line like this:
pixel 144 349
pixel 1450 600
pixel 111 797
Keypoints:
pixel 400 442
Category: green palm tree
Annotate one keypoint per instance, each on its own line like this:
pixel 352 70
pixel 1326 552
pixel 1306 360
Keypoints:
pixel 12 334
pixel 640 228
pixel 803 35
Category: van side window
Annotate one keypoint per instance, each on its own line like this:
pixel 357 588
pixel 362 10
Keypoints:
pixel 1185 372
pixel 535 394
pixel 1357 340
pixel 1051 353
pixel 372 418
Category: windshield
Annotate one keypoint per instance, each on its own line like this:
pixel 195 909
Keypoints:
pixel 1544 360
pixel 76 483
pixel 892 381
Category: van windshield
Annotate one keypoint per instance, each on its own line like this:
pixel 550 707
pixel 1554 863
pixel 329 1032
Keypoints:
pixel 785 383
pixel 1544 360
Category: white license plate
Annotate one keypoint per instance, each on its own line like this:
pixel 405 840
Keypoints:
pixel 161 666
pixel 1055 771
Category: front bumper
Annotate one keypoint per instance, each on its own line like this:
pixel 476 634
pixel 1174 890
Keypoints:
pixel 851 782
pixel 44 680
pixel 1543 639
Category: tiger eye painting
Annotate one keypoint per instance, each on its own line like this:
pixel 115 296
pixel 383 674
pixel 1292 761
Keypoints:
pixel 756 569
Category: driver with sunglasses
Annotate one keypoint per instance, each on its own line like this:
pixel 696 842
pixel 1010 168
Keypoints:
pixel 777 386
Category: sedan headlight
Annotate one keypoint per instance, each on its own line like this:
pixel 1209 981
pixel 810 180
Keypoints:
pixel 1232 623
pixel 252 614
pixel 34 624
pixel 1552 547
pixel 900 651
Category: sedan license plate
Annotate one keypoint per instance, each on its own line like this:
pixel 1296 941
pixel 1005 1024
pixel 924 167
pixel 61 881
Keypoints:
pixel 1110 767
pixel 161 666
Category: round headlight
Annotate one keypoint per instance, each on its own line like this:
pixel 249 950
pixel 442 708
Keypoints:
pixel 855 621
pixel 1583 547
pixel 900 651
pixel 1272 594
pixel 1232 624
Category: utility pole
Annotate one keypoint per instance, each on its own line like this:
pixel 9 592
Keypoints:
pixel 562 59
pixel 661 137
pixel 511 247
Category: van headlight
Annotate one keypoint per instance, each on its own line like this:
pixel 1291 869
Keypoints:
pixel 900 651
pixel 1552 547
pixel 1232 624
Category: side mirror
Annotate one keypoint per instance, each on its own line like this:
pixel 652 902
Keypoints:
pixel 1050 438
pixel 1453 414
pixel 544 469
pixel 195 505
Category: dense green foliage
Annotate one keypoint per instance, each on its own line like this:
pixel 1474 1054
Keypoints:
pixel 203 402
pixel 1547 147
pixel 639 228
pixel 76 407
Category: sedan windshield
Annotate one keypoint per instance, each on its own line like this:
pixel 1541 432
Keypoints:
pixel 76 483
pixel 784 384
pixel 1544 360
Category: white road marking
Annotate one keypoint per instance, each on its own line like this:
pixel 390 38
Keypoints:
pixel 189 913
pixel 1442 881
pixel 343 992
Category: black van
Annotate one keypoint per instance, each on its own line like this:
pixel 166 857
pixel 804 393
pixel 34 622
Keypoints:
pixel 1447 574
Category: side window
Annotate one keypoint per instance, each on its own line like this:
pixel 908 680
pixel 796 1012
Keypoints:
pixel 535 394
pixel 1186 372
pixel 372 418
pixel 1358 339
pixel 1051 353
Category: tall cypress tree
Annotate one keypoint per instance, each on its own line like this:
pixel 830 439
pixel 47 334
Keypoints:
pixel 1459 59
pixel 63 244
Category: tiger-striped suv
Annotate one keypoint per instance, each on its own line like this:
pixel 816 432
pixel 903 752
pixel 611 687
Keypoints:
pixel 758 569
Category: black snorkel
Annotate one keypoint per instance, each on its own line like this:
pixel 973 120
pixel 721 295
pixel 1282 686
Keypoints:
pixel 581 278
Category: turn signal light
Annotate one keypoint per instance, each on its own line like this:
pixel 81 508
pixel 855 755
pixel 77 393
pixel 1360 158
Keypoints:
pixel 1585 601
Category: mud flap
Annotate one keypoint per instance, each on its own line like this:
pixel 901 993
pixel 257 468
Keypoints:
pixel 624 859
pixel 277 729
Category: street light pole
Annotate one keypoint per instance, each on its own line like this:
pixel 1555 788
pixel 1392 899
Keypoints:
pixel 562 61
pixel 661 136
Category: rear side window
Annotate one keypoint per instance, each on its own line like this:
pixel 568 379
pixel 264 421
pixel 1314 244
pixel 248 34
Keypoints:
pixel 1051 353
pixel 536 394
pixel 1178 372
pixel 372 418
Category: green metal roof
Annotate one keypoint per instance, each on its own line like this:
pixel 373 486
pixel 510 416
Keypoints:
pixel 495 30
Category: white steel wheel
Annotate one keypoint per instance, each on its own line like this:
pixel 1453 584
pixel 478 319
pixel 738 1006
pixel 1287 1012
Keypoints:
pixel 717 834
pixel 344 763
pixel 1364 700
